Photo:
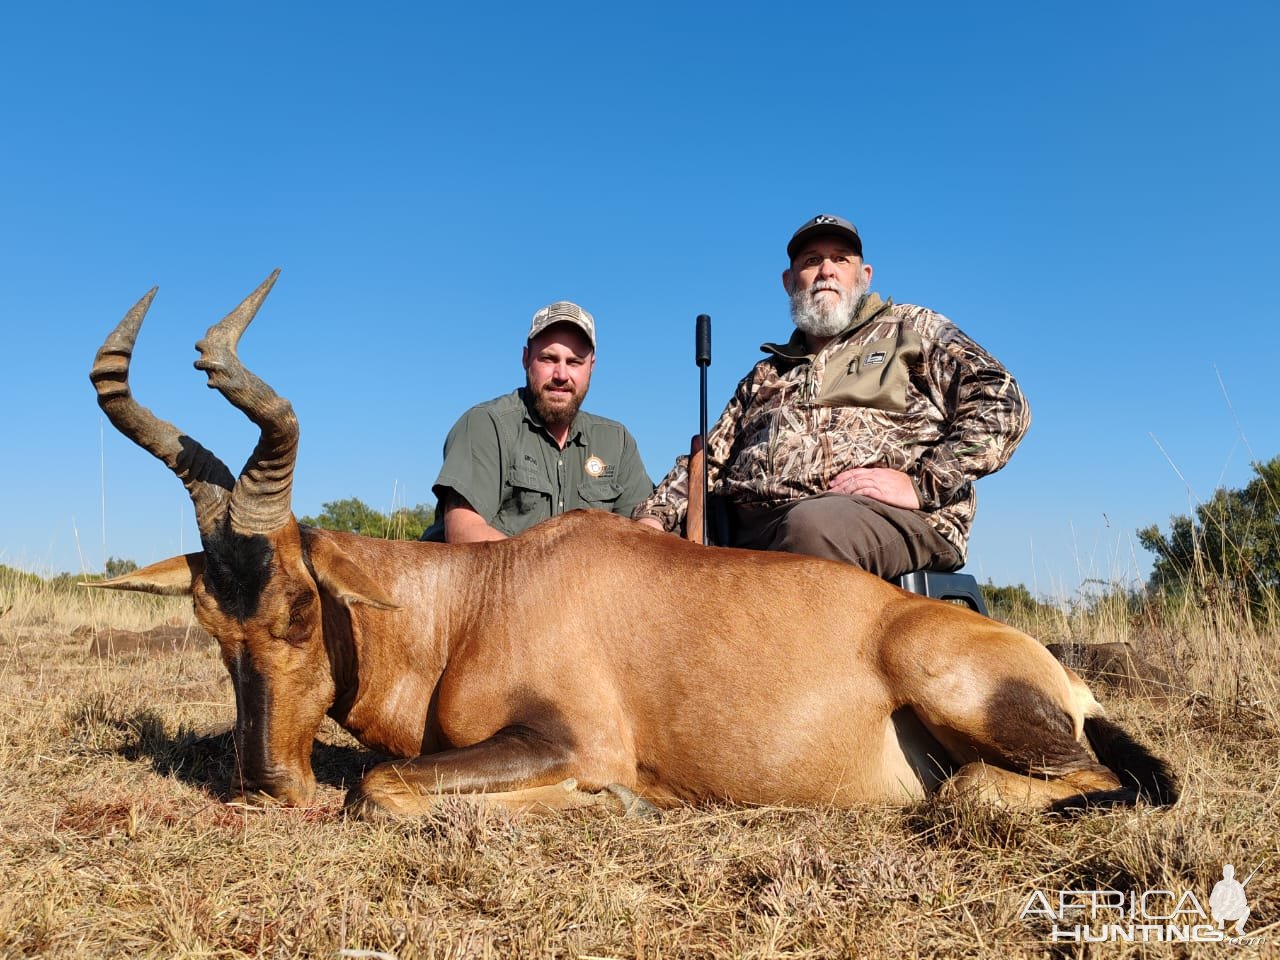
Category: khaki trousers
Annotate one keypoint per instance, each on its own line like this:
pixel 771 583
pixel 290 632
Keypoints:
pixel 887 541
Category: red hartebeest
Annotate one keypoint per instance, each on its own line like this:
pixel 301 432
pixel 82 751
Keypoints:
pixel 593 660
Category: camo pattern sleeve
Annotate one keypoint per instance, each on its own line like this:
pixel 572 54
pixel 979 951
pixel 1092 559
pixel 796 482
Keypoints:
pixel 988 418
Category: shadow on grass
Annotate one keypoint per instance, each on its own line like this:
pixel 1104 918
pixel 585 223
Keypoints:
pixel 205 759
pixel 208 760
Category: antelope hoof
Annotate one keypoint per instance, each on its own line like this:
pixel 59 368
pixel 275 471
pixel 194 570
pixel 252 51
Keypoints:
pixel 359 806
pixel 634 806
pixel 374 805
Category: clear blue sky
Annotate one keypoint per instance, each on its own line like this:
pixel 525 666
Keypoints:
pixel 1089 190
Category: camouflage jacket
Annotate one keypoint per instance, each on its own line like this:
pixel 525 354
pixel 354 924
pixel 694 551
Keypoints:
pixel 902 387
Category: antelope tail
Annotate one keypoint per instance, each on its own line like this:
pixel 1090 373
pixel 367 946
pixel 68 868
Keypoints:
pixel 1136 766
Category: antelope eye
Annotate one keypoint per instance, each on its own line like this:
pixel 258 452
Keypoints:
pixel 301 620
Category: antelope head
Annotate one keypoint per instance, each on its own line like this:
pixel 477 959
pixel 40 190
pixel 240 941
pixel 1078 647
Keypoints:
pixel 257 584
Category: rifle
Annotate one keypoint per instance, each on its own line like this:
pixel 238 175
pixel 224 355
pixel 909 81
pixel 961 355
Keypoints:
pixel 695 523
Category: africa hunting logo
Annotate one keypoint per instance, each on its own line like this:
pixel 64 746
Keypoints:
pixel 1149 916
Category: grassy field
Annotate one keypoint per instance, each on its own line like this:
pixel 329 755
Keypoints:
pixel 117 842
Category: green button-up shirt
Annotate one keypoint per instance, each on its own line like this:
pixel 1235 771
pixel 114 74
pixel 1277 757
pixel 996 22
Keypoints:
pixel 500 458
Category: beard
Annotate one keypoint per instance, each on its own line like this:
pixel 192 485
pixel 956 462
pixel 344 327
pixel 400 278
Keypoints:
pixel 555 409
pixel 822 318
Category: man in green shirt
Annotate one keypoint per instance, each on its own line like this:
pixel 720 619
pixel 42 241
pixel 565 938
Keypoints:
pixel 534 453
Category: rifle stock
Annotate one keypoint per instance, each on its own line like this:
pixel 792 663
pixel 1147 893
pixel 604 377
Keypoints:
pixel 695 516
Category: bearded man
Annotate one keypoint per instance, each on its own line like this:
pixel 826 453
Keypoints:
pixel 534 453
pixel 858 439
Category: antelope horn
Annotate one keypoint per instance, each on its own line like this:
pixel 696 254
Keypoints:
pixel 206 477
pixel 260 501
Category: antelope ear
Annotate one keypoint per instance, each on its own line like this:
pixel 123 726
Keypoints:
pixel 342 577
pixel 169 578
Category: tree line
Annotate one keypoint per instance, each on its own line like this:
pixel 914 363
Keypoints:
pixel 1228 551
pixel 355 516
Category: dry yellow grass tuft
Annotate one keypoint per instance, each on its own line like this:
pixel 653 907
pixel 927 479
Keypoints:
pixel 117 842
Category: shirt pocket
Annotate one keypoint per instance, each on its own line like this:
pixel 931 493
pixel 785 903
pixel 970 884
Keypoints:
pixel 875 375
pixel 599 494
pixel 526 492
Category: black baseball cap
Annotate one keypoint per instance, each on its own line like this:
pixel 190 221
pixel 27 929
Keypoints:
pixel 824 224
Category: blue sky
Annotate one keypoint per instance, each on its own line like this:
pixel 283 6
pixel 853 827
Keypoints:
pixel 1087 190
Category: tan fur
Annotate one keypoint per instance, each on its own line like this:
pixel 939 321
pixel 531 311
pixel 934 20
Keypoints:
pixel 988 784
pixel 682 672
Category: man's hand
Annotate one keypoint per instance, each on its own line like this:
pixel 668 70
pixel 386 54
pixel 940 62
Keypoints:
pixel 879 483
pixel 652 522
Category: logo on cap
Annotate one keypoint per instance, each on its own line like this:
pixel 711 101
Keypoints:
pixel 822 225
pixel 563 311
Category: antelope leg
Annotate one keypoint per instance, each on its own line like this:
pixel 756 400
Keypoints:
pixel 515 769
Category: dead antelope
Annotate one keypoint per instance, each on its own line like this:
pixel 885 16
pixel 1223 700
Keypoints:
pixel 593 660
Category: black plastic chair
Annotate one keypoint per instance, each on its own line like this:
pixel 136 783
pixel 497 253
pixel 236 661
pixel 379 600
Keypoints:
pixel 953 587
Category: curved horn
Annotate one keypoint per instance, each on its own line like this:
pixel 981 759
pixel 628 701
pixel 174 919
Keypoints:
pixel 206 477
pixel 260 501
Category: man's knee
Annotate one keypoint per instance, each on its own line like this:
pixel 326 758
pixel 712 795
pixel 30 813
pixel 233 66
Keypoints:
pixel 884 540
pixel 836 529
pixel 807 523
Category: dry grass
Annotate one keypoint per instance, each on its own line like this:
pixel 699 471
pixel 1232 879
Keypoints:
pixel 116 842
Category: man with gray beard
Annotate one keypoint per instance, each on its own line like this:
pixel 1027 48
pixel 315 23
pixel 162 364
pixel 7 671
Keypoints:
pixel 858 439
pixel 535 453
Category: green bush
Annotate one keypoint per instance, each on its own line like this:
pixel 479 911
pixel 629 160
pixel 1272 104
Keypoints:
pixel 1229 552
pixel 354 516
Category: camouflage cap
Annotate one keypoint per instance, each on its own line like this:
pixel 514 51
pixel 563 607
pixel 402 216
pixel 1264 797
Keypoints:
pixel 824 224
pixel 562 311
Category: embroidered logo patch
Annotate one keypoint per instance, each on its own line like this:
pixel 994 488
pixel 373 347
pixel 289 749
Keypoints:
pixel 594 467
pixel 877 357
